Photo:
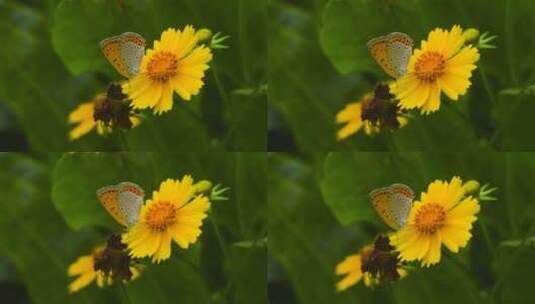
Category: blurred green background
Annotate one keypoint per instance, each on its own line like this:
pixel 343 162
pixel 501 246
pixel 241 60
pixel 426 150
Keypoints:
pixel 319 62
pixel 320 213
pixel 51 62
pixel 50 215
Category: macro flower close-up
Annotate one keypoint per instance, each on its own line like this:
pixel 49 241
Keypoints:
pixel 174 213
pixel 442 216
pixel 442 64
pixel 176 63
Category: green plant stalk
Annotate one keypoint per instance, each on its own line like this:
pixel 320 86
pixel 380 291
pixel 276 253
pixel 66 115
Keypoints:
pixel 509 36
pixel 488 241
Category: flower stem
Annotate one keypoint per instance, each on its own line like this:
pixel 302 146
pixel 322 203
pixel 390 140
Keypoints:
pixel 488 240
pixel 218 234
pixel 486 84
pixel 509 36
pixel 124 143
pixel 505 271
pixel 219 85
pixel 121 284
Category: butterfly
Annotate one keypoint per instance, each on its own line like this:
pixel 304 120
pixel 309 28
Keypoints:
pixel 124 52
pixel 392 52
pixel 122 201
pixel 393 203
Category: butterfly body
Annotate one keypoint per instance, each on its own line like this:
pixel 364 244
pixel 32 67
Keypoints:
pixel 123 201
pixel 392 52
pixel 124 52
pixel 393 204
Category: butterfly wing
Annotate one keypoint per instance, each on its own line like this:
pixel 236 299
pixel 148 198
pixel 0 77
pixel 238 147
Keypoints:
pixel 130 199
pixel 401 203
pixel 378 48
pixel 111 48
pixel 132 49
pixel 108 197
pixel 399 50
pixel 382 202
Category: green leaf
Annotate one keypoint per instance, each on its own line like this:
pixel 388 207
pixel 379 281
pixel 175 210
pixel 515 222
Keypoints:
pixel 247 268
pixel 36 86
pixel 518 242
pixel 438 285
pixel 303 237
pixel 349 24
pixel 303 86
pixel 158 283
pixel 79 26
pixel 76 179
pixel 35 238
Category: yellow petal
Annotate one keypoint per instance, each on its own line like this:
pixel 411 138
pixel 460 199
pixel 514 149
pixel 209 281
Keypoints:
pixel 148 98
pixel 350 112
pixel 433 103
pixel 351 263
pixel 164 250
pixel 350 280
pixel 349 129
pixel 454 238
pixel 166 100
pixel 433 254
pixel 81 265
pixel 82 281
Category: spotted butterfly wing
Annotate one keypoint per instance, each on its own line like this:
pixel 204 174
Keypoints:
pixel 123 202
pixel 399 52
pixel 124 52
pixel 401 202
pixel 392 52
pixel 129 201
pixel 108 198
pixel 393 204
pixel 132 51
pixel 378 48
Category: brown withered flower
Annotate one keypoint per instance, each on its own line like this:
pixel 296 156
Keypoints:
pixel 382 110
pixel 114 110
pixel 382 262
pixel 114 260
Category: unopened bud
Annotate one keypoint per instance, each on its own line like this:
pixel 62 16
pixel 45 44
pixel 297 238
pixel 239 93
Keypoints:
pixel 470 34
pixel 202 186
pixel 204 34
pixel 471 186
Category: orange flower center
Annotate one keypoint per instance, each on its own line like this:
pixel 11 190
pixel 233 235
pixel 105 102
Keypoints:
pixel 160 215
pixel 429 218
pixel 162 66
pixel 430 66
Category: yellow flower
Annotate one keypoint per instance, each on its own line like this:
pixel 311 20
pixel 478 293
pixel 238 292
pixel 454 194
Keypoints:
pixel 443 63
pixel 176 64
pixel 444 215
pixel 175 212
pixel 84 268
pixel 351 268
pixel 351 116
pixel 84 116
